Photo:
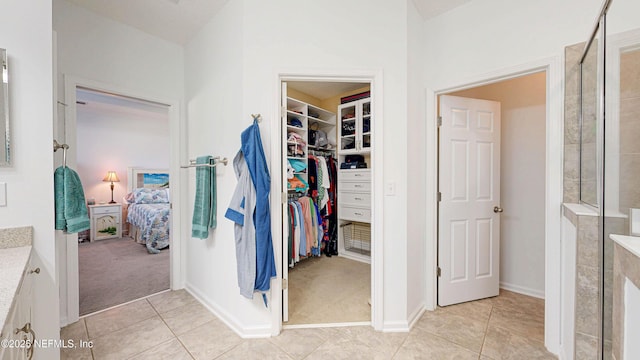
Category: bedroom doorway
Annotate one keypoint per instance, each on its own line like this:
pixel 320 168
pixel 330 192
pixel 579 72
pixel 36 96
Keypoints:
pixel 123 148
pixel 125 254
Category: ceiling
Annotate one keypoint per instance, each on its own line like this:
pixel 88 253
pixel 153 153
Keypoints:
pixel 433 8
pixel 173 20
pixel 324 89
pixel 179 20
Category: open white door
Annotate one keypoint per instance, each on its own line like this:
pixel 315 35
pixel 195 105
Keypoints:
pixel 285 205
pixel 469 210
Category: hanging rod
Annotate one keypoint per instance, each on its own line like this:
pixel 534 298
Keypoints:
pixel 216 160
pixel 64 147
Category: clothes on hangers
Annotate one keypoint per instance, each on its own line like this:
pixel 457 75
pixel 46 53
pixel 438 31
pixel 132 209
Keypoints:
pixel 312 218
pixel 253 154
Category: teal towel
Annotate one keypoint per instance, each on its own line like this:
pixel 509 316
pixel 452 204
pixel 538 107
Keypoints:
pixel 204 206
pixel 71 211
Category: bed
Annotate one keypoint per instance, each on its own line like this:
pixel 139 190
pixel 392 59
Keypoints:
pixel 149 208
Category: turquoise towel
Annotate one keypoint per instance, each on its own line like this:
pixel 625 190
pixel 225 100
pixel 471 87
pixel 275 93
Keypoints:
pixel 71 211
pixel 204 206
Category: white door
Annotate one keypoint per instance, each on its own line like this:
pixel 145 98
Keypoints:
pixel 285 207
pixel 469 210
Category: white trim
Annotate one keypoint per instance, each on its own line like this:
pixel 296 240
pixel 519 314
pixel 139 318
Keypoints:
pixel 252 332
pixel 522 290
pixel 396 326
pixel 327 325
pixel 355 256
pixel 374 78
pixel 416 315
pixel 177 131
pixel 554 179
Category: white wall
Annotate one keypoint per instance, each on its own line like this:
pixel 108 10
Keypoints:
pixel 482 38
pixel 112 139
pixel 416 179
pixel 522 187
pixel 214 97
pixel 25 32
pixel 96 48
pixel 226 83
pixel 105 55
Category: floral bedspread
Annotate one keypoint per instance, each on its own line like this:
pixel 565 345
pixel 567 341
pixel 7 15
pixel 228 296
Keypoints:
pixel 153 222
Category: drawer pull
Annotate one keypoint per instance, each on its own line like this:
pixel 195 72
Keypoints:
pixel 357 185
pixel 357 213
pixel 36 270
pixel 358 198
pixel 358 175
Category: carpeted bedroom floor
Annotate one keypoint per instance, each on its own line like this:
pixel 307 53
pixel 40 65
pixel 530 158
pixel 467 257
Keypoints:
pixel 116 271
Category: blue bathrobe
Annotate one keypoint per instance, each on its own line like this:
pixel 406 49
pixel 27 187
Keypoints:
pixel 253 153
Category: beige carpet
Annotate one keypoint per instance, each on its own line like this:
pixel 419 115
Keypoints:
pixel 329 290
pixel 116 271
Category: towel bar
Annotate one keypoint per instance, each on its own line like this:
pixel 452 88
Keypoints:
pixel 216 160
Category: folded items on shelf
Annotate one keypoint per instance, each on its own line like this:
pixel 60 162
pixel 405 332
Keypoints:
pixel 353 165
pixel 298 184
pixel 298 165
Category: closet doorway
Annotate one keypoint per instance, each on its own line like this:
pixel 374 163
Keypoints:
pixel 327 146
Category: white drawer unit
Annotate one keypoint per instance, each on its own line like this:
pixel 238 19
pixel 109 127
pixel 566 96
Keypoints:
pixel 362 200
pixel 355 175
pixel 354 195
pixel 354 186
pixel 354 213
pixel 106 221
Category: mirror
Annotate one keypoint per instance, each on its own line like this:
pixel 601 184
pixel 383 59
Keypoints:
pixel 5 153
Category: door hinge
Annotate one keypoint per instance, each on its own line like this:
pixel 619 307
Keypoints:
pixel 439 121
pixel 284 197
pixel 285 284
pixel 283 111
pixel 439 196
pixel 439 271
pixel 171 206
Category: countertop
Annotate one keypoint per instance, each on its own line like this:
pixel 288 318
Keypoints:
pixel 15 249
pixel 631 243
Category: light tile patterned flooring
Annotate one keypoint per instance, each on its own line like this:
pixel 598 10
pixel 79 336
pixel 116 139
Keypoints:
pixel 173 325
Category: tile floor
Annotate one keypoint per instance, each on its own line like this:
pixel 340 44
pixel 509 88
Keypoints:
pixel 173 325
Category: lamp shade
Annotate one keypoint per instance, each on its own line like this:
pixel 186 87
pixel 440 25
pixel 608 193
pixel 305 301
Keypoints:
pixel 111 176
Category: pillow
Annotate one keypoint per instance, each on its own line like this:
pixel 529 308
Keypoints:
pixel 148 196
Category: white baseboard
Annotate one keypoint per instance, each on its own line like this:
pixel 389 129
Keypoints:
pixel 395 326
pixel 522 290
pixel 416 315
pixel 256 332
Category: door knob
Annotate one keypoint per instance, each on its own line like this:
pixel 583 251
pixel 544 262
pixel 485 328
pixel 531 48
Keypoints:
pixel 497 209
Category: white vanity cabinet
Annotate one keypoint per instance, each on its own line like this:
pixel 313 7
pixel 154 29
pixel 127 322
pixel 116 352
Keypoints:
pixel 17 328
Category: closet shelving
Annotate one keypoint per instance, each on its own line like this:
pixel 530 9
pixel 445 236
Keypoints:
pixel 355 127
pixel 354 184
pixel 301 118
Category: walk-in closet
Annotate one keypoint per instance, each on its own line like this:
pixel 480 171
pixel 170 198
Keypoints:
pixel 326 157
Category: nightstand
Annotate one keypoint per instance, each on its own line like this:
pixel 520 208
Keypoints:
pixel 106 221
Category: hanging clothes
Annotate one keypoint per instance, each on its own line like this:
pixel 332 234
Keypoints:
pixel 240 211
pixel 253 154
